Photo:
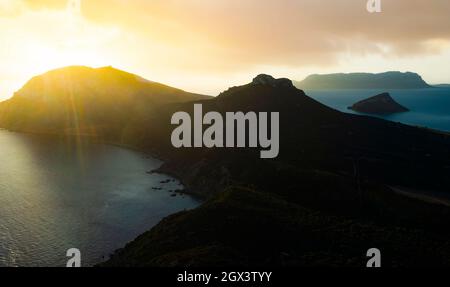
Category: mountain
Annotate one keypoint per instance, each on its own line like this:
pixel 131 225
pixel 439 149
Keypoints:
pixel 380 104
pixel 103 102
pixel 388 80
pixel 324 201
pixel 337 188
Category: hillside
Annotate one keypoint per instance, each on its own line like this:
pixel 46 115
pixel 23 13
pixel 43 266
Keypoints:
pixel 323 202
pixel 388 80
pixel 245 228
pixel 314 136
pixel 103 102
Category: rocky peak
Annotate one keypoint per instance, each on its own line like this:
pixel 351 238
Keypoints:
pixel 271 81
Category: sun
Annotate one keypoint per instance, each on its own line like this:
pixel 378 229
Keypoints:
pixel 76 42
pixel 36 41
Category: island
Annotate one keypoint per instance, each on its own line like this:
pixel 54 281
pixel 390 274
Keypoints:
pixel 388 80
pixel 379 104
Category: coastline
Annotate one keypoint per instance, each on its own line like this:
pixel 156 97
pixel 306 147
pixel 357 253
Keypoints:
pixel 187 176
pixel 146 153
pixel 164 169
pixel 154 154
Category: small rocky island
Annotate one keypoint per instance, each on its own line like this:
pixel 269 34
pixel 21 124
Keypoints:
pixel 380 104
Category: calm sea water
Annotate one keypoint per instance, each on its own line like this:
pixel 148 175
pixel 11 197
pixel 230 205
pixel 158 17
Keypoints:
pixel 96 198
pixel 429 107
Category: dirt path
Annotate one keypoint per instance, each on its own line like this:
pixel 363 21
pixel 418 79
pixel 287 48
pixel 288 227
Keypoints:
pixel 432 197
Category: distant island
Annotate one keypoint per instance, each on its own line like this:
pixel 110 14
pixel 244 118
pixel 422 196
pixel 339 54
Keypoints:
pixel 379 104
pixel 442 86
pixel 388 80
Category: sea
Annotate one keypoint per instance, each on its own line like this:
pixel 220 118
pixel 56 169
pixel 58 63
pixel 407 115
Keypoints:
pixel 429 108
pixel 55 196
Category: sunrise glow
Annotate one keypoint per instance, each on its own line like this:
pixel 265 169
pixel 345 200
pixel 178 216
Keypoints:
pixel 204 47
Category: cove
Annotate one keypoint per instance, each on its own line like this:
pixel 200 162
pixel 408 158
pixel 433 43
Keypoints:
pixel 55 196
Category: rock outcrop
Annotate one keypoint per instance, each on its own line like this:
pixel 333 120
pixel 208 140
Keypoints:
pixel 379 104
pixel 271 81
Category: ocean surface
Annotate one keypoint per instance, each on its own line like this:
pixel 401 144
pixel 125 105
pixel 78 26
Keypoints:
pixel 429 107
pixel 55 196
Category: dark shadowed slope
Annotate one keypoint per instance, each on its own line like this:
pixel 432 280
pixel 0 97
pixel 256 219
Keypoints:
pixel 245 228
pixel 315 136
pixel 324 201
pixel 81 100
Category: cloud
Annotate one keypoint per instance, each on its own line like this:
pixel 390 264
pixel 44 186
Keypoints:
pixel 230 34
pixel 195 44
pixel 233 33
pixel 36 39
pixel 10 8
pixel 45 4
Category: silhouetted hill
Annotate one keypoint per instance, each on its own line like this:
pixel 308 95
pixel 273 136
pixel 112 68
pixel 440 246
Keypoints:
pixel 379 104
pixel 324 201
pixel 315 136
pixel 388 80
pixel 102 102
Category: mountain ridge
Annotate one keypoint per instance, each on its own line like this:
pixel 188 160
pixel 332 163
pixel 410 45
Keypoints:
pixel 323 202
pixel 90 101
pixel 386 80
pixel 327 190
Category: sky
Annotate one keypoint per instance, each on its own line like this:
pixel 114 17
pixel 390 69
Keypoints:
pixel 206 46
